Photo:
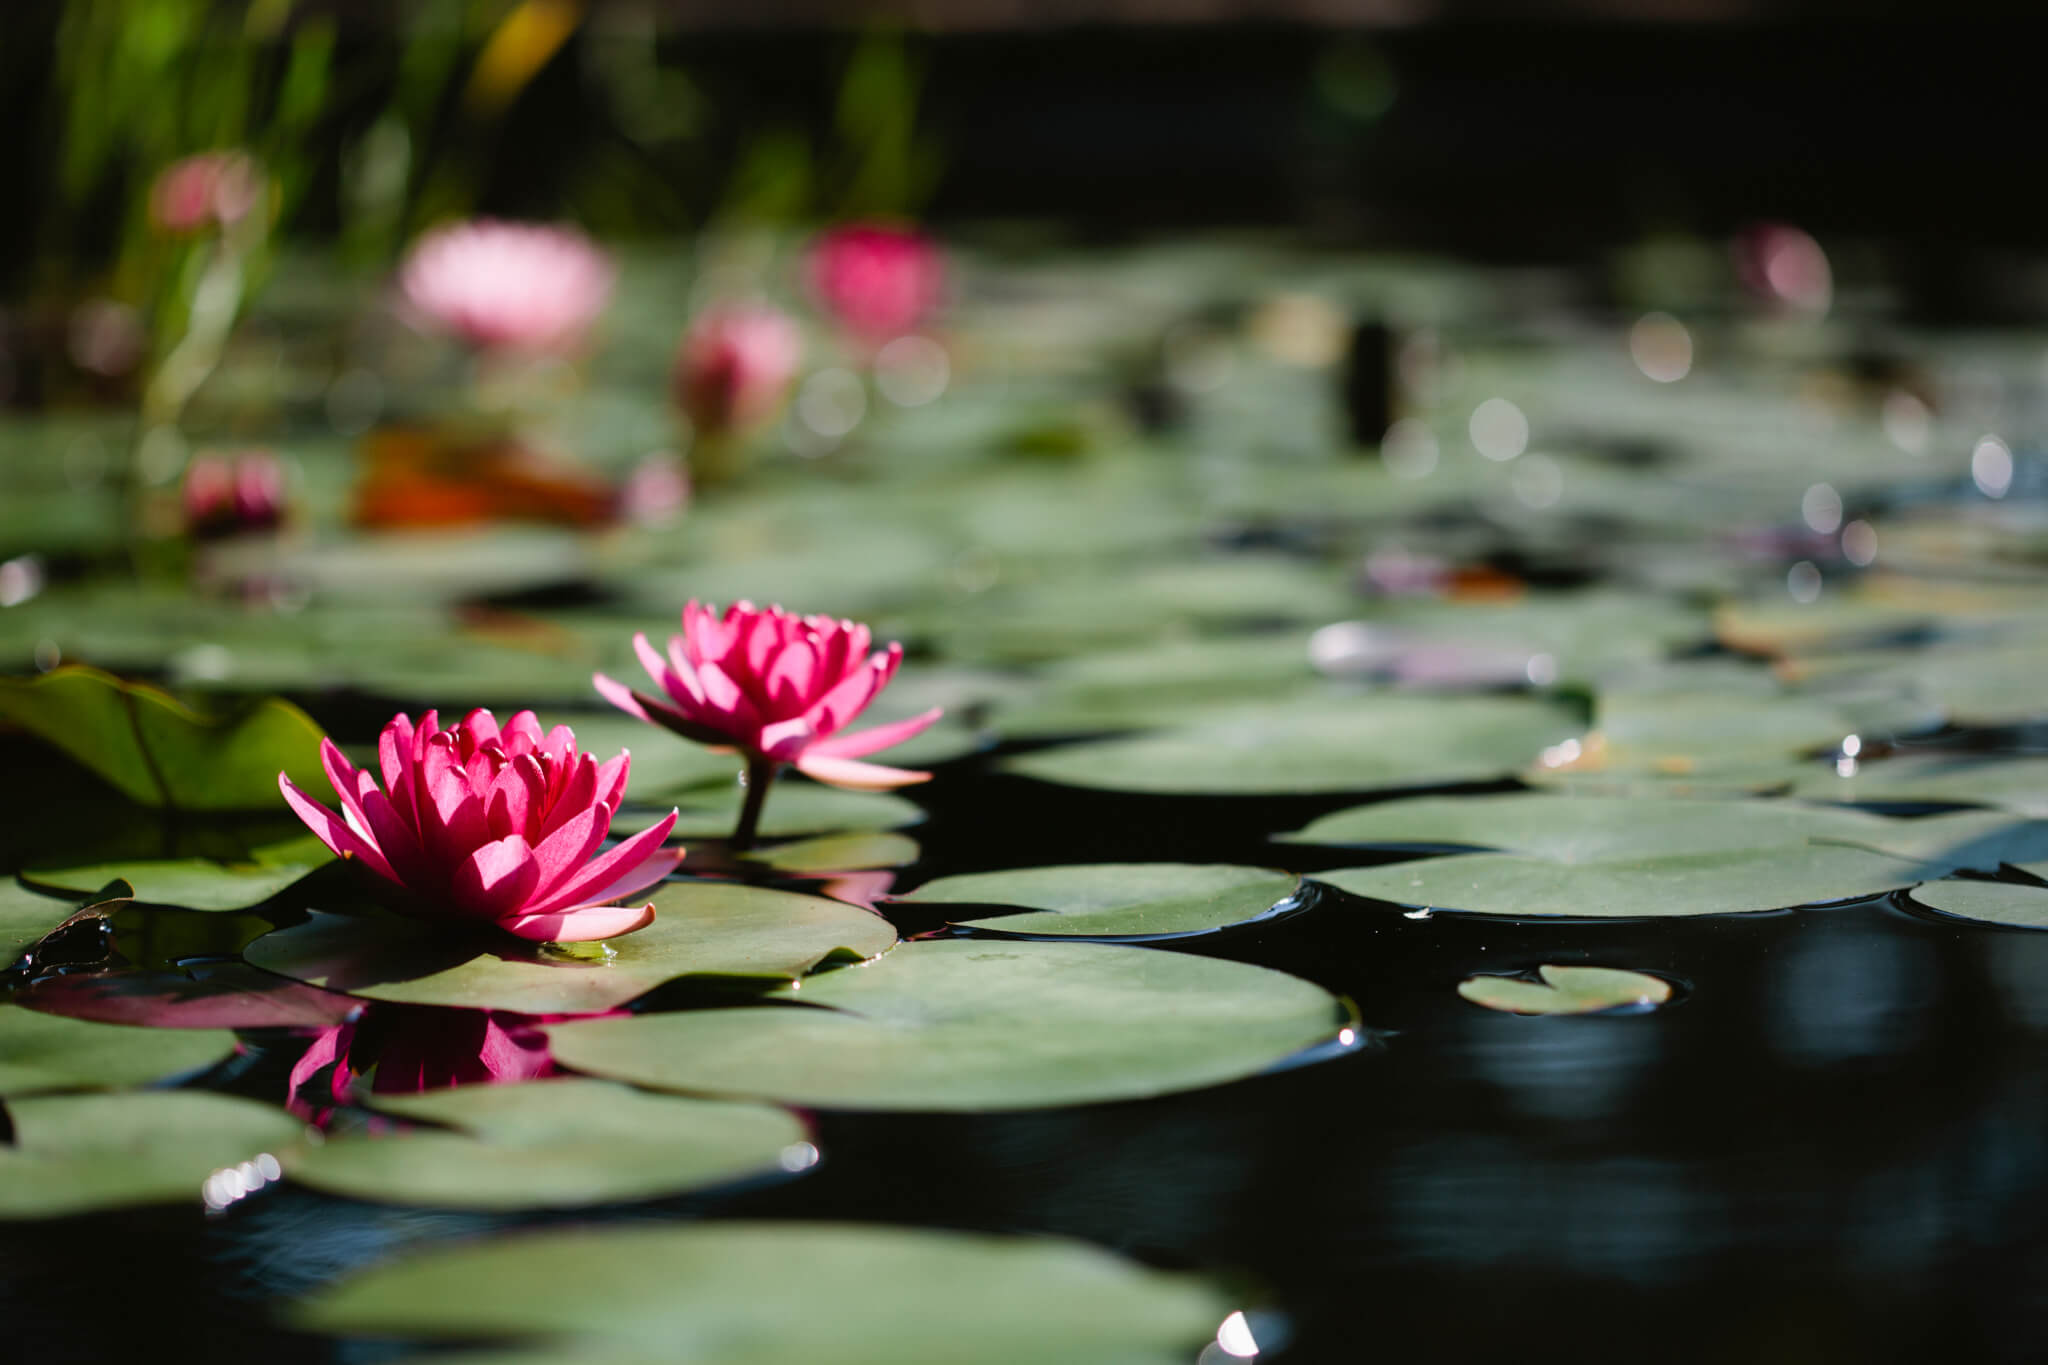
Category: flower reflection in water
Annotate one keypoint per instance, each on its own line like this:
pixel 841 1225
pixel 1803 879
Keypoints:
pixel 405 1049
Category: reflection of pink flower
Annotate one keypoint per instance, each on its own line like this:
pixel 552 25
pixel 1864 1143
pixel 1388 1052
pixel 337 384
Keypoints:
pixel 415 1048
pixel 520 286
pixel 878 281
pixel 492 826
pixel 209 190
pixel 777 687
pixel 1785 267
pixel 228 495
pixel 735 365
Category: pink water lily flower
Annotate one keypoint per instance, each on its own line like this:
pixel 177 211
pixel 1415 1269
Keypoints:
pixel 204 191
pixel 227 495
pixel 779 688
pixel 735 365
pixel 878 280
pixel 492 826
pixel 511 286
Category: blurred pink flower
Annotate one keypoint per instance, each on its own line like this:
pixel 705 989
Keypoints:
pixel 518 286
pixel 1785 267
pixel 735 365
pixel 228 495
pixel 778 688
pixel 879 281
pixel 492 826
pixel 204 191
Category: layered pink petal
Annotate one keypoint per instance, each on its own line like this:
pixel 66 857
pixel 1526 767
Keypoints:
pixel 851 772
pixel 581 924
pixel 561 853
pixel 861 743
pixel 594 881
pixel 333 831
pixel 625 698
pixel 497 880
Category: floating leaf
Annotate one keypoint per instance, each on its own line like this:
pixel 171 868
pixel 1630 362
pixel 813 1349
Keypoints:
pixel 727 1293
pixel 1979 840
pixel 839 853
pixel 1115 899
pixel 25 917
pixel 76 1153
pixel 717 928
pixel 967 1025
pixel 44 1052
pixel 2024 907
pixel 2014 784
pixel 158 752
pixel 1566 990
pixel 548 1144
pixel 793 808
pixel 1676 733
pixel 1725 883
pixel 1369 742
pixel 1585 828
pixel 190 883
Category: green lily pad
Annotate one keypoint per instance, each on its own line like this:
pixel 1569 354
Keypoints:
pixel 839 853
pixel 793 808
pixel 1375 741
pixel 1566 990
pixel 1133 689
pixel 2014 784
pixel 25 917
pixel 1725 883
pixel 1577 829
pixel 1979 840
pixel 964 1025
pixel 2024 907
pixel 727 1293
pixel 549 1144
pixel 1683 734
pixel 45 1052
pixel 192 883
pixel 700 928
pixel 158 752
pixel 75 1153
pixel 1115 899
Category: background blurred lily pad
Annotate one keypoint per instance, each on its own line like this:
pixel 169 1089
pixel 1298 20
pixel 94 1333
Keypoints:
pixel 2024 907
pixel 1566 990
pixel 1114 899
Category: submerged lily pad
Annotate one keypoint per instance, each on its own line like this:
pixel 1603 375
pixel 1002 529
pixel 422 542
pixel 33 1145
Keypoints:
pixel 1724 883
pixel 158 752
pixel 727 1293
pixel 548 1144
pixel 44 1052
pixel 966 1025
pixel 1114 899
pixel 716 928
pixel 2024 907
pixel 1374 741
pixel 76 1153
pixel 1566 990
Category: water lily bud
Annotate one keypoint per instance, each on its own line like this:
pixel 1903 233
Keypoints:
pixel 735 366
pixel 492 826
pixel 876 280
pixel 510 286
pixel 226 496
pixel 206 191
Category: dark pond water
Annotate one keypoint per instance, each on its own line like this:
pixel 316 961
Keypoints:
pixel 1831 1146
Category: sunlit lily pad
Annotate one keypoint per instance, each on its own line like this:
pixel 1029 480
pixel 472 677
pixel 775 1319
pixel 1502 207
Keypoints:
pixel 44 1052
pixel 1114 899
pixel 716 928
pixel 2024 907
pixel 549 1144
pixel 1585 828
pixel 1358 744
pixel 1685 734
pixel 2014 784
pixel 76 1153
pixel 158 752
pixel 192 883
pixel 974 1025
pixel 1566 990
pixel 1979 840
pixel 1724 883
pixel 749 1293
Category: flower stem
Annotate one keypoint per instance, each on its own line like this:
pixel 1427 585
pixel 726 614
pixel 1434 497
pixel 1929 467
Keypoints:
pixel 760 776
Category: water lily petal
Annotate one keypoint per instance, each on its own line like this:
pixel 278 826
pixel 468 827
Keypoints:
pixel 597 880
pixel 569 847
pixel 861 743
pixel 497 880
pixel 582 924
pixel 611 780
pixel 851 772
pixel 333 831
pixel 786 740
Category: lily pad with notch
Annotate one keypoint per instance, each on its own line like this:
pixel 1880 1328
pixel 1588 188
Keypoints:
pixel 1114 900
pixel 1567 990
pixel 548 1144
pixel 2011 904
pixel 700 928
pixel 968 1026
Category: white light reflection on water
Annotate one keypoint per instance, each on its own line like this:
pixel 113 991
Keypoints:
pixel 1661 347
pixel 1802 580
pixel 1821 508
pixel 1235 1337
pixel 798 1156
pixel 1408 450
pixel 232 1184
pixel 1562 1068
pixel 20 579
pixel 1991 467
pixel 1538 482
pixel 1907 421
pixel 912 371
pixel 1498 429
pixel 1859 544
